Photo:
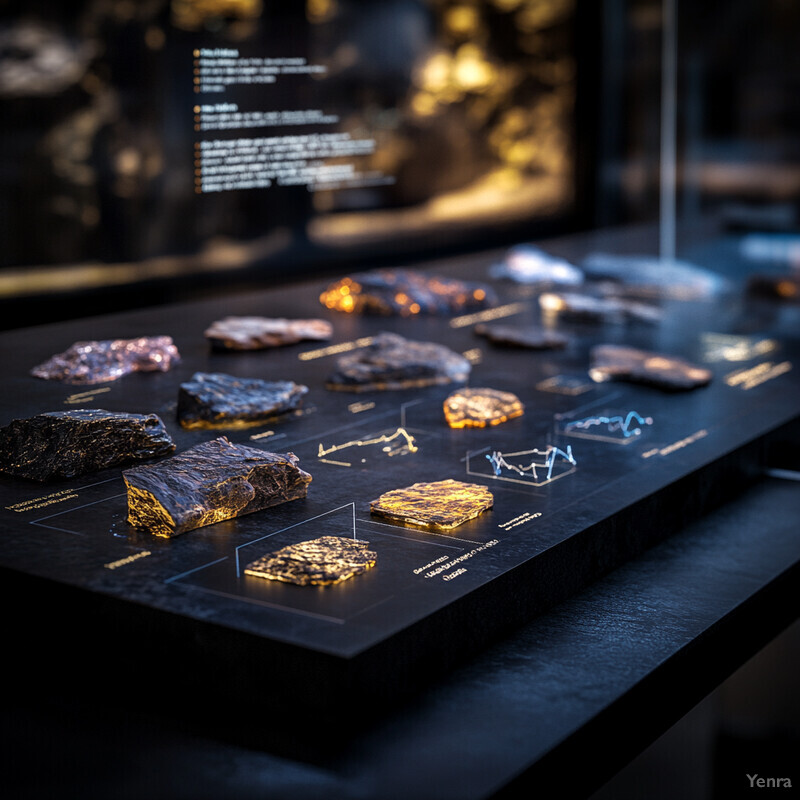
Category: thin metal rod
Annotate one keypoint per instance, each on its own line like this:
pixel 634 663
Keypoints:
pixel 668 166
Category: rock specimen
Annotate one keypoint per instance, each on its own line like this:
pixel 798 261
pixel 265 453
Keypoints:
pixel 404 292
pixel 211 482
pixel 215 400
pixel 615 362
pixel 109 359
pixel 440 506
pixel 317 562
pixel 669 278
pixel 64 444
pixel 392 362
pixel 534 337
pixel 478 408
pixel 527 264
pixel 260 333
pixel 598 309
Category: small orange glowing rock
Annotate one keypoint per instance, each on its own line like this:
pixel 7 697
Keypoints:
pixel 478 408
pixel 441 506
pixel 405 292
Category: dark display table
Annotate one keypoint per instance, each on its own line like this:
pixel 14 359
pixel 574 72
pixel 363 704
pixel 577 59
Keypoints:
pixel 284 670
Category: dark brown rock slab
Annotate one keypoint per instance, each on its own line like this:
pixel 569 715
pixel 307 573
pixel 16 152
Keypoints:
pixel 316 562
pixel 406 293
pixel 211 482
pixel 671 373
pixel 64 444
pixel 109 359
pixel 532 337
pixel 393 362
pixel 260 333
pixel 216 400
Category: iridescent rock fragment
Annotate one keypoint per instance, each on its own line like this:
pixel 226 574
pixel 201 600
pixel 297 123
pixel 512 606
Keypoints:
pixel 441 506
pixel 64 444
pixel 317 562
pixel 598 309
pixel 215 400
pixel 109 359
pixel 211 482
pixel 392 362
pixel 479 408
pixel 528 264
pixel 259 333
pixel 405 292
pixel 615 362
pixel 533 337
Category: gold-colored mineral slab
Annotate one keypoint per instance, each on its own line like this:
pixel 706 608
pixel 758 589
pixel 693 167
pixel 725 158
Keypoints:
pixel 439 506
pixel 109 359
pixel 317 562
pixel 260 333
pixel 479 408
pixel 208 483
pixel 616 362
pixel 405 293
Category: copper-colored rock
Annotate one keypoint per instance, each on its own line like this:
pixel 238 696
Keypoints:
pixel 405 292
pixel 478 408
pixel 392 362
pixel 615 362
pixel 259 333
pixel 65 444
pixel 534 337
pixel 211 482
pixel 441 506
pixel 215 400
pixel 317 562
pixel 109 359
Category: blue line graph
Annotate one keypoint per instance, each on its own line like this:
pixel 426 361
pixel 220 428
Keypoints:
pixel 499 461
pixel 629 425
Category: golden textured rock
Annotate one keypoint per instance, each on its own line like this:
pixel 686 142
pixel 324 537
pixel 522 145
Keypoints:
pixel 317 562
pixel 441 505
pixel 208 483
pixel 478 408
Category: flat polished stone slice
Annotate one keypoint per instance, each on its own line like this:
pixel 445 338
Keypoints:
pixel 481 407
pixel 527 264
pixel 405 293
pixel 260 333
pixel 440 506
pixel 392 362
pixel 317 562
pixel 215 400
pixel 64 444
pixel 619 363
pixel 533 337
pixel 598 309
pixel 211 482
pixel 109 359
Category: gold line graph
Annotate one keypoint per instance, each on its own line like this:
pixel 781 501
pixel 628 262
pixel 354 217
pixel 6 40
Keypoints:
pixel 399 434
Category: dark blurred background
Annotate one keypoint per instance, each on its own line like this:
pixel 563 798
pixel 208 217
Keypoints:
pixel 493 122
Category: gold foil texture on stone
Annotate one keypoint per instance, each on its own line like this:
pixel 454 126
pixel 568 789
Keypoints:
pixel 479 408
pixel 316 562
pixel 441 505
